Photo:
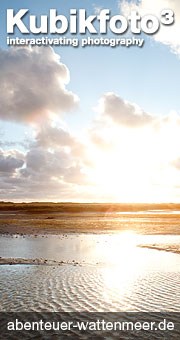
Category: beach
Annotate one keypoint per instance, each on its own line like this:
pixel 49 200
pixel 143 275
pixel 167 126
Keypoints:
pixel 89 259
pixel 87 272
pixel 58 218
pixel 122 250
pixel 37 219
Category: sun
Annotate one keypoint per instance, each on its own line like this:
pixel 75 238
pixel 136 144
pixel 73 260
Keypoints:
pixel 122 178
pixel 134 165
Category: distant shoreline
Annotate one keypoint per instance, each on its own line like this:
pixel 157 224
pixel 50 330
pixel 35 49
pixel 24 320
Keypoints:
pixel 70 207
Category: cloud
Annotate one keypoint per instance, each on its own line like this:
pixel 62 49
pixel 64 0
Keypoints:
pixel 97 9
pixel 122 112
pixel 52 167
pixel 126 155
pixel 55 153
pixel 176 163
pixel 168 35
pixel 33 85
pixel 99 140
pixel 10 161
pixel 50 136
pixel 54 137
pixel 32 88
pixel 42 161
pixel 133 152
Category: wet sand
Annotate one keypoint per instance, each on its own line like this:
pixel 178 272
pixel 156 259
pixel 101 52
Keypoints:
pixel 35 262
pixel 43 219
pixel 54 223
pixel 87 273
pixel 162 247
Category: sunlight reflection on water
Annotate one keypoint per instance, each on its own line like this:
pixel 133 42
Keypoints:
pixel 112 274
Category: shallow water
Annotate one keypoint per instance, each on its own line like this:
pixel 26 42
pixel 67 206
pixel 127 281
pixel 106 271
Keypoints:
pixel 112 274
pixel 152 212
pixel 90 248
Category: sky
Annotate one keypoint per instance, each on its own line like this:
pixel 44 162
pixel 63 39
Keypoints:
pixel 94 123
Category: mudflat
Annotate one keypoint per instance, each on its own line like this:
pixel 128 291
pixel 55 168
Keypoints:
pixel 57 218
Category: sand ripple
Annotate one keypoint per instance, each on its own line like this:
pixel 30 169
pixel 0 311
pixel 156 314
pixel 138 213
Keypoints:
pixel 85 288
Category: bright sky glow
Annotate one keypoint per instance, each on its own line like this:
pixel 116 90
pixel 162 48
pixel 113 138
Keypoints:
pixel 94 123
